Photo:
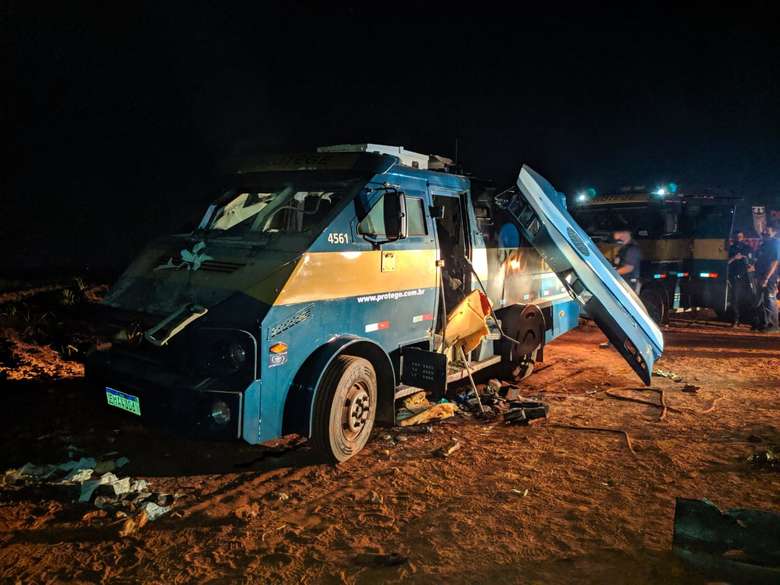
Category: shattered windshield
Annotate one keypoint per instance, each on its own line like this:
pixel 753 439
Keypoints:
pixel 288 206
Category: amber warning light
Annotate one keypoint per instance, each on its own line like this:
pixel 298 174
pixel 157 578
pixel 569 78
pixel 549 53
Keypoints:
pixel 280 347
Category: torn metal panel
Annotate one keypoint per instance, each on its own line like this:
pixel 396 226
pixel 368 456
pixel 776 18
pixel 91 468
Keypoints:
pixel 741 545
pixel 540 214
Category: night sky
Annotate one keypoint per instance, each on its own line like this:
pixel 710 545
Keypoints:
pixel 119 118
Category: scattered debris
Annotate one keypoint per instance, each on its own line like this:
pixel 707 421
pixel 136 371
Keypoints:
pixel 154 511
pixel 600 430
pixel 420 430
pixel 522 493
pixel 107 492
pixel 493 386
pixel 448 450
pixel 523 412
pixel 280 496
pixel 247 511
pixel 662 405
pixel 513 393
pixel 739 546
pixel 438 411
pixel 765 459
pixel 416 402
pixel 667 374
pixel 133 524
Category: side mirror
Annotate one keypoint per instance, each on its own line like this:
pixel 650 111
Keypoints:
pixel 436 211
pixel 395 215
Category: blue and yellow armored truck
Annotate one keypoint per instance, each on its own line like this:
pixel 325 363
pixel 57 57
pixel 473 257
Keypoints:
pixel 316 290
pixel 684 241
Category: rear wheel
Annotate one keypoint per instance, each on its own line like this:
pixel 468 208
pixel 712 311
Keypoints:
pixel 526 326
pixel 655 304
pixel 345 408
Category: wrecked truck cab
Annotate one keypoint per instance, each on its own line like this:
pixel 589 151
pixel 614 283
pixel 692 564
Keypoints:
pixel 315 292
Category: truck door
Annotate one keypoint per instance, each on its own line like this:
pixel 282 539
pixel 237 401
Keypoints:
pixel 403 277
pixel 540 213
pixel 452 240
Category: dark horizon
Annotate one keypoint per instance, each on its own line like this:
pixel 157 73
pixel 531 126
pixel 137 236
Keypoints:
pixel 119 118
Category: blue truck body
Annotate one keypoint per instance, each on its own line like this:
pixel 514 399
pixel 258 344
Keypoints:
pixel 231 336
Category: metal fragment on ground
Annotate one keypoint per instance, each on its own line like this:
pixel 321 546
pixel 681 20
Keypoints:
pixel 154 511
pixel 667 374
pixel 448 450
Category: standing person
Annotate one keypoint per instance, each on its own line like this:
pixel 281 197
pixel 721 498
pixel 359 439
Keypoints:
pixel 767 273
pixel 740 256
pixel 628 259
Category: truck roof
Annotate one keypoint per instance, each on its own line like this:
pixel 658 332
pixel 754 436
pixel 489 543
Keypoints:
pixel 405 157
pixel 653 199
pixel 361 162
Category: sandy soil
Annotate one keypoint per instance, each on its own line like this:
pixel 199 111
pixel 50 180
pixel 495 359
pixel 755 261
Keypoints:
pixel 593 512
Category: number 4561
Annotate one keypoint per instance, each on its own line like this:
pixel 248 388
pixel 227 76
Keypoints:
pixel 338 239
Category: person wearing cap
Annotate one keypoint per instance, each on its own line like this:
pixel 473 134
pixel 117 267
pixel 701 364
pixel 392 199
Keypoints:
pixel 628 259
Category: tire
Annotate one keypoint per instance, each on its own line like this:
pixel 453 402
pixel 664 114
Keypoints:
pixel 655 305
pixel 345 408
pixel 527 327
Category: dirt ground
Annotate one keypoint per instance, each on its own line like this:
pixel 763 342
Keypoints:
pixel 534 504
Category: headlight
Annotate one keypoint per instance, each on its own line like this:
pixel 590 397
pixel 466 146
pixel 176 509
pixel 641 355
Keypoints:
pixel 237 354
pixel 220 412
pixel 220 353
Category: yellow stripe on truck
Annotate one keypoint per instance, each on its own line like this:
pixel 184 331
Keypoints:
pixel 710 249
pixel 668 249
pixel 674 249
pixel 322 276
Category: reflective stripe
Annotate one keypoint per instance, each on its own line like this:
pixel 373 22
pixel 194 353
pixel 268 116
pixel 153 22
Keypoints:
pixel 377 326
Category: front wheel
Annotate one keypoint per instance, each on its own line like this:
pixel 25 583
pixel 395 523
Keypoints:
pixel 345 408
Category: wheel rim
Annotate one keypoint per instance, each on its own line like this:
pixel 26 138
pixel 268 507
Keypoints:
pixel 653 305
pixel 355 411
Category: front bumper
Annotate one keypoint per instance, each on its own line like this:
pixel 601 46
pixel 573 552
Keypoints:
pixel 167 400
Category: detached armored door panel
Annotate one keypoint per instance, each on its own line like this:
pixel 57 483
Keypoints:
pixel 540 213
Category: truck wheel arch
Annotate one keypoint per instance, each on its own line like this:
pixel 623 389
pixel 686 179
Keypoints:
pixel 299 401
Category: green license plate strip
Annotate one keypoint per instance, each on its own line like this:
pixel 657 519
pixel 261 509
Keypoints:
pixel 124 401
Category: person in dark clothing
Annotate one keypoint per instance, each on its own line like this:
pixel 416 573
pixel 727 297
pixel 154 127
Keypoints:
pixel 767 274
pixel 628 259
pixel 740 290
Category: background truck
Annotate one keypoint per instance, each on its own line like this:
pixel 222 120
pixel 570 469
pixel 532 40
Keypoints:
pixel 684 241
pixel 314 293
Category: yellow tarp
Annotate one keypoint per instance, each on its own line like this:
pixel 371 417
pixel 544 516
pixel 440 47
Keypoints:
pixel 466 323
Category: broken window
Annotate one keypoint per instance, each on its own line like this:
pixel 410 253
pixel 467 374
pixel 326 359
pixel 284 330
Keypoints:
pixel 291 207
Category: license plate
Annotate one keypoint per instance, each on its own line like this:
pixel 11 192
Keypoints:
pixel 124 401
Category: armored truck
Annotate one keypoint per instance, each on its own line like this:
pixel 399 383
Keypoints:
pixel 315 290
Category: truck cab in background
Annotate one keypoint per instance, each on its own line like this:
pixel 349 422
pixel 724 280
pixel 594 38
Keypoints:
pixel 318 286
pixel 684 241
